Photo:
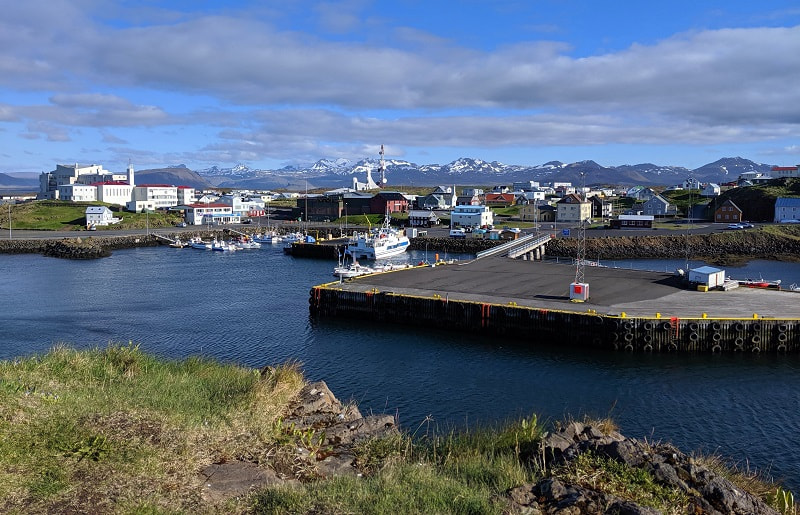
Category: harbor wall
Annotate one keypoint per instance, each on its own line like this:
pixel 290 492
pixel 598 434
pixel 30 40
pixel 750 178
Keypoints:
pixel 584 328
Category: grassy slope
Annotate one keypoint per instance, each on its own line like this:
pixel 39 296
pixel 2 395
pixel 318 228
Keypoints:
pixel 53 215
pixel 117 430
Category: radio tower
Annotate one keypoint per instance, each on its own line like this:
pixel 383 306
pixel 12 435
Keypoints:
pixel 382 169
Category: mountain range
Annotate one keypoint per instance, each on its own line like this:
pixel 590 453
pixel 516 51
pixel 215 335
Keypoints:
pixel 328 173
pixel 467 171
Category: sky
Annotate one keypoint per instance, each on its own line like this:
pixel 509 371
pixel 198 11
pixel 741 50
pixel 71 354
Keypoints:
pixel 271 83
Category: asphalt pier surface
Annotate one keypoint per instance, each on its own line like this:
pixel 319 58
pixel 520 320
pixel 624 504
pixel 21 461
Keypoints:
pixel 546 285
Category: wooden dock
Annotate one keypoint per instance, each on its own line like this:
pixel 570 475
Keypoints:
pixel 626 310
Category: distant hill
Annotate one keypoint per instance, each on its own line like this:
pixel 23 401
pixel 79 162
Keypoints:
pixel 8 182
pixel 175 175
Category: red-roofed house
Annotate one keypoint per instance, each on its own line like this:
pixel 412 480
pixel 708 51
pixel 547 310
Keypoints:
pixel 499 199
pixel 778 172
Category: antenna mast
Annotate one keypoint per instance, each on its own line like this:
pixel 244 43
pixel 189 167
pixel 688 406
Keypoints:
pixel 382 168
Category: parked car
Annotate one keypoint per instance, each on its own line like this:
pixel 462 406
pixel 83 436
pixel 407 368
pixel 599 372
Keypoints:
pixel 180 224
pixel 458 233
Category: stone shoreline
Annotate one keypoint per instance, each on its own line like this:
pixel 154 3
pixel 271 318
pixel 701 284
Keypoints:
pixel 714 247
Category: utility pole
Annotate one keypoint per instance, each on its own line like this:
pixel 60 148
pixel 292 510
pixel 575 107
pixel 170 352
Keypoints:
pixel 9 220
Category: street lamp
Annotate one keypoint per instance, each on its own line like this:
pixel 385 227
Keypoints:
pixel 9 220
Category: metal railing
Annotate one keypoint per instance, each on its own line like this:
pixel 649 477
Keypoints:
pixel 526 242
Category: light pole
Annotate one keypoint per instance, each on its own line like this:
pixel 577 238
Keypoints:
pixel 9 220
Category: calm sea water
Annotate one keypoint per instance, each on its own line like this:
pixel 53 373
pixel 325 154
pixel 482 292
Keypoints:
pixel 251 308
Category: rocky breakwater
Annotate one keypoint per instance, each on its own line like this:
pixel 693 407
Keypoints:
pixel 714 247
pixel 568 486
pixel 90 247
pixel 454 245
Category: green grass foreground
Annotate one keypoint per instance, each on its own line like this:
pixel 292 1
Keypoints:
pixel 116 430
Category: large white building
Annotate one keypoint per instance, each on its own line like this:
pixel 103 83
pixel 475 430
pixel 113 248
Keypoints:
pixel 471 216
pixel 92 183
pixel 152 196
pixel 52 184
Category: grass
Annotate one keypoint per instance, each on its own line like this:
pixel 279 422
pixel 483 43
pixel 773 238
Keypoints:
pixel 80 430
pixel 117 430
pixel 54 215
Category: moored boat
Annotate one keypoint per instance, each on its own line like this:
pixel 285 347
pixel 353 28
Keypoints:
pixel 378 244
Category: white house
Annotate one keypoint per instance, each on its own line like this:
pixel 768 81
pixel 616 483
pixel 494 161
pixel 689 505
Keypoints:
pixel 244 206
pixel 710 190
pixel 787 208
pixel 211 214
pixel 471 216
pixel 99 215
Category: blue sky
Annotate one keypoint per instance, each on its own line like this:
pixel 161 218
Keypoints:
pixel 266 84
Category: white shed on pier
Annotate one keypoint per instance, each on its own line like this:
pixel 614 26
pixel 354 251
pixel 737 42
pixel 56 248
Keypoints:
pixel 708 276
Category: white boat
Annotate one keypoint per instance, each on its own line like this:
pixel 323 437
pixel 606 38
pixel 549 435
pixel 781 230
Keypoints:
pixel 246 242
pixel 379 243
pixel 354 269
pixel 178 244
pixel 292 237
pixel 222 246
pixel 198 243
pixel 268 238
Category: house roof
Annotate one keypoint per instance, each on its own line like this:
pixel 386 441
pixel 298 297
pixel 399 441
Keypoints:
pixel 787 202
pixel 572 198
pixel 729 202
pixel 96 210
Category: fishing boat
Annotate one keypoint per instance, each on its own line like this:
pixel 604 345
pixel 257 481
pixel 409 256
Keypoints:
pixel 222 246
pixel 198 243
pixel 178 244
pixel 379 243
pixel 245 242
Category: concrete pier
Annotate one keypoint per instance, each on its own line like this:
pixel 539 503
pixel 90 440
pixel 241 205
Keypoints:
pixel 626 310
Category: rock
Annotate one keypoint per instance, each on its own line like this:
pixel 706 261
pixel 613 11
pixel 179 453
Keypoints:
pixel 234 478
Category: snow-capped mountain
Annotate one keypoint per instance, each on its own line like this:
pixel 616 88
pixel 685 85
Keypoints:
pixel 463 171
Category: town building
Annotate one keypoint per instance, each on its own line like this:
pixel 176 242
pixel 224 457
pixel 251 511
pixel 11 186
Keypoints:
pixel 632 222
pixel 99 215
pixel 471 216
pixel 52 185
pixel 422 218
pixel 211 214
pixel 573 208
pixel 787 209
pixel 658 206
pixel 149 197
pixel 537 211
pixel 710 190
pixel 728 212
pixel 780 172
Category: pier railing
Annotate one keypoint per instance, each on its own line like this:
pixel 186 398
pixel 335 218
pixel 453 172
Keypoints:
pixel 515 248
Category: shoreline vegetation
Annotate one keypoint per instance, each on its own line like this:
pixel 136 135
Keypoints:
pixel 118 430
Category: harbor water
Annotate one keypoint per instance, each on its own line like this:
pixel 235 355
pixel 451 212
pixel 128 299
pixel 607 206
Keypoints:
pixel 251 308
